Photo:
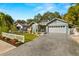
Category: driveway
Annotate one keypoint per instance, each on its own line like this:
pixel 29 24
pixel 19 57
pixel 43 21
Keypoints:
pixel 47 45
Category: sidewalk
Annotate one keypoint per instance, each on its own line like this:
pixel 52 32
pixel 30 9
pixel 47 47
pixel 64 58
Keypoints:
pixel 5 47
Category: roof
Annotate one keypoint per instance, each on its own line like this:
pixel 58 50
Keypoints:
pixel 45 23
pixel 24 25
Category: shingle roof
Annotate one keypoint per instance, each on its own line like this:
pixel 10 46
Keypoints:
pixel 45 23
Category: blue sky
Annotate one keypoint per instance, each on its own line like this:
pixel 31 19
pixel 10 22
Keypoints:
pixel 25 11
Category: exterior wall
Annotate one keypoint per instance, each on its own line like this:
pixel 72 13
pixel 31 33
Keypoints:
pixel 68 31
pixel 35 28
pixel 47 29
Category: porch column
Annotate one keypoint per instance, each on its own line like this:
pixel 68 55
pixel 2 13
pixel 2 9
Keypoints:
pixel 46 29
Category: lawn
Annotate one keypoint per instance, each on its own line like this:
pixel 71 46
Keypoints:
pixel 29 37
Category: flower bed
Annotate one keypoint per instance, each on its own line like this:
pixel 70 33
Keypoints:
pixel 14 42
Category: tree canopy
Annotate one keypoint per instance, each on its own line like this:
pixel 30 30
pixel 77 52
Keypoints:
pixel 20 21
pixel 45 17
pixel 5 22
pixel 72 16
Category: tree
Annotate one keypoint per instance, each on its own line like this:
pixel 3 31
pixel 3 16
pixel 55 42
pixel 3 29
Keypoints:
pixel 72 16
pixel 45 17
pixel 20 21
pixel 49 15
pixel 57 15
pixel 2 18
pixel 5 22
pixel 9 20
pixel 37 18
pixel 30 20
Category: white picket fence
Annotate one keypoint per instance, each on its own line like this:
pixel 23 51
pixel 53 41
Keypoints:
pixel 14 36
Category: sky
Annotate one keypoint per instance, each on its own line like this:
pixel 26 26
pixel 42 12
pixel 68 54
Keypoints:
pixel 25 11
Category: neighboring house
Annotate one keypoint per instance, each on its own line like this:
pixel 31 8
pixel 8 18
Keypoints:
pixel 56 25
pixel 22 27
pixel 19 26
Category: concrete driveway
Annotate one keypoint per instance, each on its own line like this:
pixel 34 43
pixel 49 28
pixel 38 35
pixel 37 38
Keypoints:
pixel 5 47
pixel 47 45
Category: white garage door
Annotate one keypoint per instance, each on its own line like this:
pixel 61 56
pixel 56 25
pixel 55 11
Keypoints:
pixel 57 29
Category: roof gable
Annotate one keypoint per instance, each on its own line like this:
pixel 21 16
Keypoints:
pixel 53 20
pixel 56 23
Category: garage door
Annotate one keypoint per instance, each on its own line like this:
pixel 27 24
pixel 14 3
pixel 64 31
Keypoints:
pixel 57 29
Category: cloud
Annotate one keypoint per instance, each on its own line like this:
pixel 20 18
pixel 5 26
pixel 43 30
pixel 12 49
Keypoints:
pixel 38 8
pixel 52 7
pixel 43 8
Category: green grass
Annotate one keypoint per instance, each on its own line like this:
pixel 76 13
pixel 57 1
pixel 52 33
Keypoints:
pixel 29 37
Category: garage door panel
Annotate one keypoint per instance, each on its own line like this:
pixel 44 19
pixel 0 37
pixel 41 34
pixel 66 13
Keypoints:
pixel 57 29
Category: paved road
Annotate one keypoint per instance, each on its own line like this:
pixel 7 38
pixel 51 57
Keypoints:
pixel 47 45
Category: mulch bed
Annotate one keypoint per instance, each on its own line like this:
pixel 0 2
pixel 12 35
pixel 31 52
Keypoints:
pixel 14 42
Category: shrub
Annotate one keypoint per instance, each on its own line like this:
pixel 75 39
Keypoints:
pixel 13 28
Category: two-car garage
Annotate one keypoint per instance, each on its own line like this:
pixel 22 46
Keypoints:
pixel 57 26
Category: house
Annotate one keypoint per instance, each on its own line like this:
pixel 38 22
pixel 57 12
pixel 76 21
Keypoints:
pixel 22 27
pixel 56 25
pixel 19 26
